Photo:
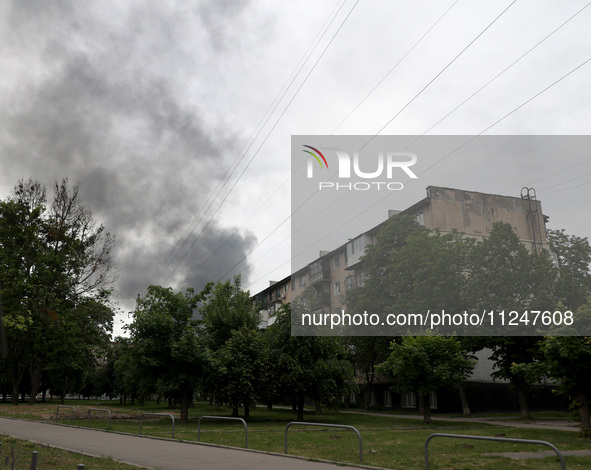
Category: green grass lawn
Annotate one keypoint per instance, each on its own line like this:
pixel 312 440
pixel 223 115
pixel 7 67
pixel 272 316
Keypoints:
pixel 17 453
pixel 389 442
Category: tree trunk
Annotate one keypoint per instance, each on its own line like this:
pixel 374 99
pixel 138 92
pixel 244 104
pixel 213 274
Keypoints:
pixel 246 411
pixel 186 393
pixel 15 386
pixel 234 411
pixel 300 405
pixel 425 405
pixel 464 399
pixel 367 396
pixel 317 407
pixel 35 373
pixel 585 415
pixel 523 404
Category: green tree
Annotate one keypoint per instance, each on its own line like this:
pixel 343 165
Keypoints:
pixel 53 260
pixel 367 352
pixel 314 367
pixel 573 254
pixel 411 270
pixel 129 380
pixel 74 349
pixel 425 364
pixel 227 308
pixel 567 360
pixel 504 276
pixel 167 341
pixel 241 367
pixel 377 292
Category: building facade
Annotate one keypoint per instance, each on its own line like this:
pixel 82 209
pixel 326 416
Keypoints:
pixel 446 209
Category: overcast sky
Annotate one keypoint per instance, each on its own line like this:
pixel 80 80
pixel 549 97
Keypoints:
pixel 150 105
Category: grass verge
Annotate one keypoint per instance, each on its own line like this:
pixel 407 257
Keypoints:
pixel 17 453
pixel 389 442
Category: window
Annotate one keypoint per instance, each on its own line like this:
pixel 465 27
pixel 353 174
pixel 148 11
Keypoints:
pixel 420 218
pixel 372 398
pixel 335 262
pixel 408 400
pixel 303 280
pixel 337 288
pixel 388 399
pixel 293 284
pixel 357 245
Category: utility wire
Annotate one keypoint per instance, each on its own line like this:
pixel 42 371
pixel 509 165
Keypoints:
pixel 254 135
pixel 281 115
pixel 276 122
pixel 394 67
pixel 505 69
pixel 419 93
pixel 477 135
pixel 440 73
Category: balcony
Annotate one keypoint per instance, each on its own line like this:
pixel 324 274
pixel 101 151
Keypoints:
pixel 319 272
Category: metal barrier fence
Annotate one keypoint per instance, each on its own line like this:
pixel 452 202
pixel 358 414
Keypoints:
pixel 344 426
pixel 98 409
pixel 65 406
pixel 157 414
pixel 226 418
pixel 497 439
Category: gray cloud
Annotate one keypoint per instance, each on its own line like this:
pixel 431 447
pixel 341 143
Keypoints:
pixel 104 103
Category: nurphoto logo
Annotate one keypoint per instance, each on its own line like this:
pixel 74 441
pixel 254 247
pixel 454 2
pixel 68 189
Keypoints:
pixel 380 167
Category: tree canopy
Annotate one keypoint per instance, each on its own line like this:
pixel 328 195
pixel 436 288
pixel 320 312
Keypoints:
pixel 424 364
pixel 166 342
pixel 56 268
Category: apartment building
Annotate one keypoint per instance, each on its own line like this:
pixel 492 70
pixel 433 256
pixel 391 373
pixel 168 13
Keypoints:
pixel 470 212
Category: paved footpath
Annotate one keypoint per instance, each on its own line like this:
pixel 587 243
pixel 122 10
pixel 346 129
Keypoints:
pixel 153 453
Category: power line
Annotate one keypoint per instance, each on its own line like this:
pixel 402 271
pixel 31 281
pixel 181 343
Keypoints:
pixel 509 113
pixel 394 67
pixel 265 139
pixel 477 135
pixel 424 88
pixel 254 135
pixel 440 72
pixel 281 115
pixel 505 69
